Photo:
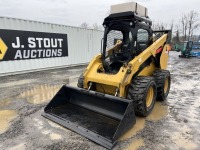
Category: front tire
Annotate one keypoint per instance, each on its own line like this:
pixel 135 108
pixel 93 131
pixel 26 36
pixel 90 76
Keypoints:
pixel 80 81
pixel 142 91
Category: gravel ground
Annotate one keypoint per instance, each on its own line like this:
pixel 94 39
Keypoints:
pixel 173 124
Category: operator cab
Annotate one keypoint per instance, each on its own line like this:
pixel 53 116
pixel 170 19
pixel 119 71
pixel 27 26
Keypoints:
pixel 126 35
pixel 118 46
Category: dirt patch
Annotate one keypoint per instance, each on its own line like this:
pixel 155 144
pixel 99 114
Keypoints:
pixel 21 146
pixel 136 144
pixel 15 83
pixel 6 116
pixel 5 102
pixel 140 123
pixel 55 136
pixel 40 94
pixel 15 130
pixel 183 142
pixel 158 112
pixel 69 145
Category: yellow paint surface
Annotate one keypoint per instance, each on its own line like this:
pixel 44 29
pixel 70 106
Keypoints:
pixel 159 111
pixel 140 122
pixel 6 116
pixel 135 144
pixel 40 94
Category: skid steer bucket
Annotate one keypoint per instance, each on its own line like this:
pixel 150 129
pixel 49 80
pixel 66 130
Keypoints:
pixel 100 117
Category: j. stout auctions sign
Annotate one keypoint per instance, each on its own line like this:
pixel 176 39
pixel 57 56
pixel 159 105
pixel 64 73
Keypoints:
pixel 19 45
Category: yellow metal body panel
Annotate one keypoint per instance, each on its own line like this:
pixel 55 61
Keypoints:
pixel 103 88
pixel 148 71
pixel 123 78
pixel 164 56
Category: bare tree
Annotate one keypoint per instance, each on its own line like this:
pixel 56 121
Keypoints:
pixel 97 27
pixel 189 23
pixel 193 23
pixel 172 25
pixel 84 25
pixel 159 25
pixel 177 37
pixel 184 25
pixel 171 28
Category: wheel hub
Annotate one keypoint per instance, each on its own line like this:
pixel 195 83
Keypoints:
pixel 150 95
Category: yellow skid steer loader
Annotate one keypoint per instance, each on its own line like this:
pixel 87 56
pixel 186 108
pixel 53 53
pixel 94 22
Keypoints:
pixel 123 80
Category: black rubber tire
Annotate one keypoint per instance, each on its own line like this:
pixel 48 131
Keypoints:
pixel 160 77
pixel 137 92
pixel 80 81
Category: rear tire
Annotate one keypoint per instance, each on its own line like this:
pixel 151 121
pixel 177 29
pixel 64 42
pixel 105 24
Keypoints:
pixel 142 91
pixel 80 81
pixel 163 82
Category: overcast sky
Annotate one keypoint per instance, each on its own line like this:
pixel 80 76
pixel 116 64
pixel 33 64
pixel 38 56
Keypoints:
pixel 75 12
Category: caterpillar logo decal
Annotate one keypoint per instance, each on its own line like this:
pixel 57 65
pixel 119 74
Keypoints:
pixel 3 49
